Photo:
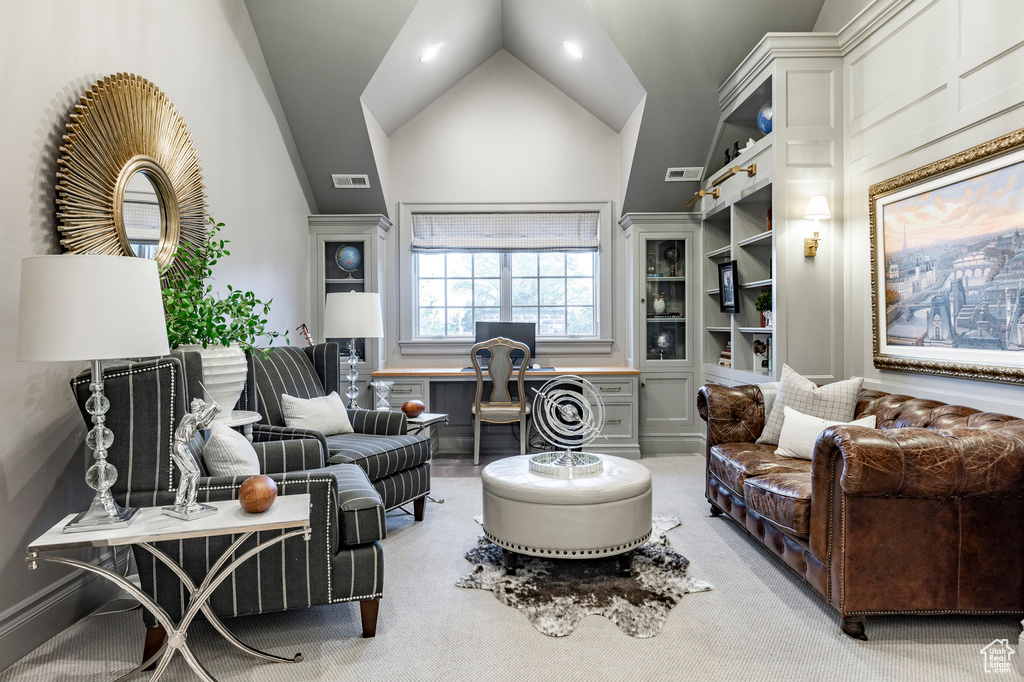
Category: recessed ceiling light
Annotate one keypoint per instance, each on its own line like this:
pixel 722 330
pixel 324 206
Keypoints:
pixel 431 52
pixel 573 49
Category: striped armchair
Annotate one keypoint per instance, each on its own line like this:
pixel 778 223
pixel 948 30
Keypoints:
pixel 342 562
pixel 397 464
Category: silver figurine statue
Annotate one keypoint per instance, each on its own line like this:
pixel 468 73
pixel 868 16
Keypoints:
pixel 185 505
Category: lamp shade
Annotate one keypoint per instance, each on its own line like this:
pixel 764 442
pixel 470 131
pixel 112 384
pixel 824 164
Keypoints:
pixel 817 207
pixel 352 315
pixel 84 307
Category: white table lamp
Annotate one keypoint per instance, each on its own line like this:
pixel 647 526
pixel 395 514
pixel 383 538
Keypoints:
pixel 353 315
pixel 817 209
pixel 83 307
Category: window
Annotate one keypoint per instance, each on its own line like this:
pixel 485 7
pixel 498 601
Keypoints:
pixel 556 290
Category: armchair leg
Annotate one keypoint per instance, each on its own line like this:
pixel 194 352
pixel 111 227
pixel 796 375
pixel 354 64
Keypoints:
pixel 155 636
pixel 476 440
pixel 417 507
pixel 368 613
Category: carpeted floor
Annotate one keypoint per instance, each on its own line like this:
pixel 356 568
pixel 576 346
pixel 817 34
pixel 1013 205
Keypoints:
pixel 759 624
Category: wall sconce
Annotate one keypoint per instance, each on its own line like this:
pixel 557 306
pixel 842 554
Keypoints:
pixel 817 208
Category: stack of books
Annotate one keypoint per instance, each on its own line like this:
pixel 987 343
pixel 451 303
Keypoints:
pixel 725 359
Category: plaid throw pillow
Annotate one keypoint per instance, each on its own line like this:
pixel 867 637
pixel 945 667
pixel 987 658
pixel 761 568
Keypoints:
pixel 835 402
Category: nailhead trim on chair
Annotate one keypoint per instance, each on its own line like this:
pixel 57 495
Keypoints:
pixel 578 553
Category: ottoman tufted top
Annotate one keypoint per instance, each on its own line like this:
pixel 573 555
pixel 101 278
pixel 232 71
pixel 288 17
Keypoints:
pixel 512 479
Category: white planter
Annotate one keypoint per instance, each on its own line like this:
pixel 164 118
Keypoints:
pixel 224 372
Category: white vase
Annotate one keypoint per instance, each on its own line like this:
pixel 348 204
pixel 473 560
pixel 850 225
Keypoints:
pixel 224 372
pixel 767 315
pixel 659 306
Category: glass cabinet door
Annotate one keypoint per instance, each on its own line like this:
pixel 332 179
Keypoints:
pixel 665 300
pixel 345 270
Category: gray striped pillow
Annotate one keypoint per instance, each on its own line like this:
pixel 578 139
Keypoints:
pixel 834 402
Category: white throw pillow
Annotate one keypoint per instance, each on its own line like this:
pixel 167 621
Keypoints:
pixel 768 393
pixel 835 402
pixel 229 453
pixel 326 415
pixel 800 432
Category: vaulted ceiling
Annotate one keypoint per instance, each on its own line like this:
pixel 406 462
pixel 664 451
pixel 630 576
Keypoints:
pixel 331 58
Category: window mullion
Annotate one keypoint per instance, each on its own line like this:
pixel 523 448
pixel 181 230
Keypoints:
pixel 505 313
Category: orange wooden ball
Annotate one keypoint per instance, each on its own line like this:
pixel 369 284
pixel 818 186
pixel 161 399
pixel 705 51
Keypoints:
pixel 257 494
pixel 413 408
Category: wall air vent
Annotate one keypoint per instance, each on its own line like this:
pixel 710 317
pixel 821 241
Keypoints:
pixel 689 174
pixel 350 181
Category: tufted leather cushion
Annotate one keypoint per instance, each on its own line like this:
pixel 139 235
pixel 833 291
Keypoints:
pixel 733 415
pixel 734 463
pixel 783 499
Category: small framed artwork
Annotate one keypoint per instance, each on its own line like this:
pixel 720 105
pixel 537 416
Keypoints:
pixel 727 284
pixel 947 265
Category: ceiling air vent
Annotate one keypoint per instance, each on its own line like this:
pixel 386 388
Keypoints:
pixel 350 181
pixel 690 174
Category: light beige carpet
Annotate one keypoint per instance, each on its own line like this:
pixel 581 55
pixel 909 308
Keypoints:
pixel 759 624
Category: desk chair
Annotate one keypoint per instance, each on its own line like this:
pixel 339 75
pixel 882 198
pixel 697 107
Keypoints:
pixel 500 409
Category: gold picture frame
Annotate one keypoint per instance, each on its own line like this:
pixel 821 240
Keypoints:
pixel 947 265
pixel 122 126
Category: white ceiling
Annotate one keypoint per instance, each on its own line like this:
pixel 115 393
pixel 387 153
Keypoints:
pixel 471 31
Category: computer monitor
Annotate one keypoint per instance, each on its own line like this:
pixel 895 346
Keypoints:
pixel 523 332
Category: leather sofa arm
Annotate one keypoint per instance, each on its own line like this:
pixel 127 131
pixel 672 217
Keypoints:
pixel 856 461
pixel 733 415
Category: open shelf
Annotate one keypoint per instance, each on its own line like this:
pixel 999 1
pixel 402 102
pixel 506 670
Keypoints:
pixel 717 253
pixel 756 330
pixel 656 278
pixel 719 330
pixel 713 292
pixel 763 239
pixel 757 284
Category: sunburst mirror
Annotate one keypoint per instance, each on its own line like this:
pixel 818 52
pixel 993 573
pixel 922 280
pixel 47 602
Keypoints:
pixel 129 181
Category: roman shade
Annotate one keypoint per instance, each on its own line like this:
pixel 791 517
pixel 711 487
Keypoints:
pixel 502 232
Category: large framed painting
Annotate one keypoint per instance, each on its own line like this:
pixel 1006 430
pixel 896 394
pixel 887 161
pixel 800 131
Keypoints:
pixel 947 265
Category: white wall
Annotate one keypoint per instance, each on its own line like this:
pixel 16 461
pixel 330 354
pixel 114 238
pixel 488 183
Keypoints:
pixel 936 78
pixel 504 134
pixel 204 55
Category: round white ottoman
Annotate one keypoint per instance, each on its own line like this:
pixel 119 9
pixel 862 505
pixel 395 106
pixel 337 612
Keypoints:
pixel 603 514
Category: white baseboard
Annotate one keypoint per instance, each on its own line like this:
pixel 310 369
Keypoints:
pixel 40 616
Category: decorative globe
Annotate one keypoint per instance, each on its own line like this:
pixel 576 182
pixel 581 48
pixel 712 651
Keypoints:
pixel 349 258
pixel 764 118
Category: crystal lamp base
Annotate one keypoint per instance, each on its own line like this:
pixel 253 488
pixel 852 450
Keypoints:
pixel 102 514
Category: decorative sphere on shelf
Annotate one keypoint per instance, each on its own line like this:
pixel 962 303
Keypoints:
pixel 413 408
pixel 257 494
pixel 764 118
pixel 349 258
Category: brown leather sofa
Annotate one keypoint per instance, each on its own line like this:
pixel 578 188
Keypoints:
pixel 924 515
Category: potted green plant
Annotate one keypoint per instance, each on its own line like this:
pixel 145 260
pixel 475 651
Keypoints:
pixel 763 303
pixel 220 327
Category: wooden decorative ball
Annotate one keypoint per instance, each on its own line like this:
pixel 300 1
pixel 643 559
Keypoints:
pixel 413 408
pixel 257 494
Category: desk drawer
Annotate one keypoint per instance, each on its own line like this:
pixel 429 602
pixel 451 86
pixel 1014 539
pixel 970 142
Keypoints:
pixel 408 390
pixel 612 389
pixel 618 424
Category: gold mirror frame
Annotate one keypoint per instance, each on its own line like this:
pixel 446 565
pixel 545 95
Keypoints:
pixel 122 126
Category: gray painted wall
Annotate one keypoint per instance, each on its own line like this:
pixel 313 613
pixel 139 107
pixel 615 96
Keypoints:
pixel 205 56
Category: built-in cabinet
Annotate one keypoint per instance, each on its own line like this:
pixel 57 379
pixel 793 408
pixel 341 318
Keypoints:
pixel 753 208
pixel 347 254
pixel 661 254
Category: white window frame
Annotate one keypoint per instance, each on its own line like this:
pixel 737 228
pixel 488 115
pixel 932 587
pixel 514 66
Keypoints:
pixel 411 344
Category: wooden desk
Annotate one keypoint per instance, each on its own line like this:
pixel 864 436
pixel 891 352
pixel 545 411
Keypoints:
pixel 445 389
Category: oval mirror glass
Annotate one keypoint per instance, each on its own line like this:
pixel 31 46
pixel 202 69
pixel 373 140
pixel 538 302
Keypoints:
pixel 143 215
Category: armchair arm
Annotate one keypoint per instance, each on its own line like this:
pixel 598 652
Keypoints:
pixel 263 433
pixel 379 422
pixel 733 415
pixel 856 461
pixel 288 454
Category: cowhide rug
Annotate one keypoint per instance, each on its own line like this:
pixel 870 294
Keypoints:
pixel 556 594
